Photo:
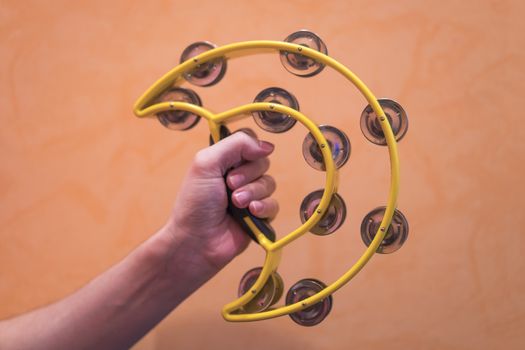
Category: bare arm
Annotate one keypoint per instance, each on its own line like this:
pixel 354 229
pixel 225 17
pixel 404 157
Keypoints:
pixel 120 306
pixel 115 309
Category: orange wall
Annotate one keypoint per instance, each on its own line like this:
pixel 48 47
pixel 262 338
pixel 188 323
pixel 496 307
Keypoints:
pixel 83 181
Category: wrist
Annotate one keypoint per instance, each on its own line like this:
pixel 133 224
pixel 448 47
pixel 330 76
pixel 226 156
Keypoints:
pixel 179 260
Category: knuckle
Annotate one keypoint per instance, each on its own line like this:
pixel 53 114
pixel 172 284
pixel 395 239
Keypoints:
pixel 269 182
pixel 243 137
pixel 273 207
pixel 265 164
pixel 201 160
pixel 248 131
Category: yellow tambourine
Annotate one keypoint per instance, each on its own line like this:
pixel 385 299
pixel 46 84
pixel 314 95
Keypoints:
pixel 326 148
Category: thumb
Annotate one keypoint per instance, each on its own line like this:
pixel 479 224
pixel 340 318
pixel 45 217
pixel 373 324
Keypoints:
pixel 239 147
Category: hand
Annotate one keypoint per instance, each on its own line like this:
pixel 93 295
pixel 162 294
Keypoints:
pixel 200 213
pixel 118 307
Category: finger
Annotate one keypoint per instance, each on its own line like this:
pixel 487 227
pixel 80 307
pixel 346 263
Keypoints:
pixel 247 173
pixel 217 159
pixel 265 209
pixel 248 131
pixel 259 189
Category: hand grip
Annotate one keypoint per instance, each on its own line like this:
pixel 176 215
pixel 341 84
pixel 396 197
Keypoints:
pixel 242 214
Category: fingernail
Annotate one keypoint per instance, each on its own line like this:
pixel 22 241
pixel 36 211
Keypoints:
pixel 236 180
pixel 267 146
pixel 242 198
pixel 257 207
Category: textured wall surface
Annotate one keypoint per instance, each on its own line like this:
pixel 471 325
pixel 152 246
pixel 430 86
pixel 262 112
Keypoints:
pixel 82 181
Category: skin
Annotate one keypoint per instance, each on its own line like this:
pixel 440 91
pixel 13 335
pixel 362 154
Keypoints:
pixel 121 305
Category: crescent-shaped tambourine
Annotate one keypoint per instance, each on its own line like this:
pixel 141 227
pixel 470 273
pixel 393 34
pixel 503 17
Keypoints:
pixel 326 148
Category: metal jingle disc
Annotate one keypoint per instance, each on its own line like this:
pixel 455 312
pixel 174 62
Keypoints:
pixel 266 297
pixel 279 287
pixel 207 73
pixel 301 65
pixel 396 116
pixel 274 121
pixel 337 141
pixel 178 119
pixel 314 314
pixel 331 220
pixel 395 236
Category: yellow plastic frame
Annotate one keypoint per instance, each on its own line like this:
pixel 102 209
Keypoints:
pixel 145 106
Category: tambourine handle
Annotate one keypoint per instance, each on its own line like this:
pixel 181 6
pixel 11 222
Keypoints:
pixel 240 215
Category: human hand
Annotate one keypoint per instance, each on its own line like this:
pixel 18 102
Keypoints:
pixel 118 307
pixel 200 213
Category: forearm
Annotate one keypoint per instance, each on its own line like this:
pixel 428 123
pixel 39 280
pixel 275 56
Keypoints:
pixel 117 308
